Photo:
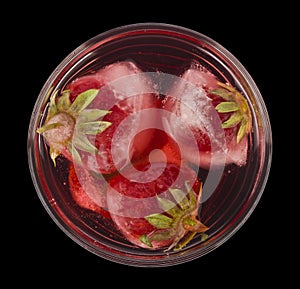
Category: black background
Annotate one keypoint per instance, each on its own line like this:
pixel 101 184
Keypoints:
pixel 42 37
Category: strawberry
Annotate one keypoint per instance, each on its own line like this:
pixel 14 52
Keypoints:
pixel 153 211
pixel 217 116
pixel 82 121
pixel 88 190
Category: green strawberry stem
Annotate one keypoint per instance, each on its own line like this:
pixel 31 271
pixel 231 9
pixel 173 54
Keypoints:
pixel 178 220
pixel 68 125
pixel 235 103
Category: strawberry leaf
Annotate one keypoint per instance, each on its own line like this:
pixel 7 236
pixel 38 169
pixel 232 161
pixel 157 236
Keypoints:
pixel 53 110
pixel 242 130
pixel 64 102
pixel 82 142
pixel 54 153
pixel 228 106
pixel 74 153
pixel 93 114
pixel 222 92
pixel 48 127
pixel 168 206
pixel 159 221
pixel 180 198
pixel 189 221
pixel 93 127
pixel 82 101
pixel 233 120
pixel 144 239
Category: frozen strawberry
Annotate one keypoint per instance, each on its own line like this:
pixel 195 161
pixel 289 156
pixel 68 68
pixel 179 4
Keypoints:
pixel 156 212
pixel 217 116
pixel 88 190
pixel 83 121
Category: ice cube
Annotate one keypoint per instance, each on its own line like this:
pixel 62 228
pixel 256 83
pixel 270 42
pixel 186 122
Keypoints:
pixel 123 80
pixel 201 77
pixel 189 100
pixel 126 91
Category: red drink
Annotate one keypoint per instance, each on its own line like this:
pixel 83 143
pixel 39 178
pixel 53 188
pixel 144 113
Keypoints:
pixel 151 148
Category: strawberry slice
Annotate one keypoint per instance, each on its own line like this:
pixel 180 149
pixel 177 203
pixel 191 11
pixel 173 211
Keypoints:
pixel 82 122
pixel 215 114
pixel 156 212
pixel 88 190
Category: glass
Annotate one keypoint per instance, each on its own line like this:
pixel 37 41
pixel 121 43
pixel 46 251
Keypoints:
pixel 150 145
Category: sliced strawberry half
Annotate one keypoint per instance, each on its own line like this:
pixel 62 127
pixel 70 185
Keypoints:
pixel 82 122
pixel 156 212
pixel 215 114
